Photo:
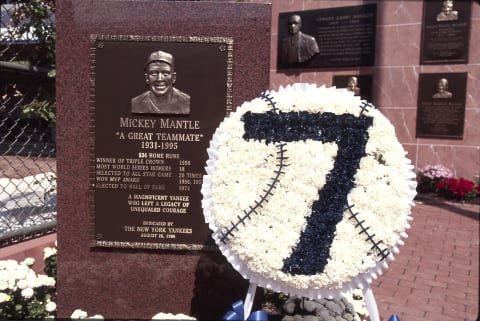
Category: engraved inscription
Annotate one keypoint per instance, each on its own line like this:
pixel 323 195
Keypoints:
pixel 347 38
pixel 146 168
pixel 445 32
pixel 441 105
pixel 332 37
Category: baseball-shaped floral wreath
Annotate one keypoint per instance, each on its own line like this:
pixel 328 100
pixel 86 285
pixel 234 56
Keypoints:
pixel 308 191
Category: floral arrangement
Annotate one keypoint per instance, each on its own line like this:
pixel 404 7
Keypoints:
pixel 459 189
pixel 429 176
pixel 25 294
pixel 440 180
pixel 171 316
pixel 80 314
pixel 320 174
pixel 50 260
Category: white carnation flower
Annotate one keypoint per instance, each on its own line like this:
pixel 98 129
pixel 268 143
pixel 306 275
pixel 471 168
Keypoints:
pixel 49 251
pixel 50 306
pixel 34 282
pixel 22 284
pixel 3 285
pixel 4 275
pixel 8 264
pixel 46 280
pixel 29 261
pixel 170 316
pixel 21 273
pixel 4 297
pixel 27 293
pixel 78 314
pixel 12 283
pixel 97 317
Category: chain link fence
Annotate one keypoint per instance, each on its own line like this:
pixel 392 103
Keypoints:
pixel 27 120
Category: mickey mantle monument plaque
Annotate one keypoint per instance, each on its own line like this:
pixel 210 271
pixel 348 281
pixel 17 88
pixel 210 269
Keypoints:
pixel 141 86
pixel 149 151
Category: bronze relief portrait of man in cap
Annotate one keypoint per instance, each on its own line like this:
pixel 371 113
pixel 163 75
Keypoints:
pixel 162 97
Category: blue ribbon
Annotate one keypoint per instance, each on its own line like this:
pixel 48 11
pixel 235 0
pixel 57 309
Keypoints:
pixel 394 317
pixel 237 313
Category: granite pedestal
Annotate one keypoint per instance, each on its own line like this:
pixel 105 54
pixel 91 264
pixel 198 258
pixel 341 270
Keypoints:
pixel 121 283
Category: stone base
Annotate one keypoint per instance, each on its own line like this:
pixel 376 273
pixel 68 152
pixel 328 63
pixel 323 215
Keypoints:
pixel 132 283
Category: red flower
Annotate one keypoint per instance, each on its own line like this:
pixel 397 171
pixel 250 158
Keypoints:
pixel 457 188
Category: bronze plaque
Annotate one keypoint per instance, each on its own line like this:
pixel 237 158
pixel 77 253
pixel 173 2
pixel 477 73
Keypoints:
pixel 360 85
pixel 334 37
pixel 441 105
pixel 155 104
pixel 445 32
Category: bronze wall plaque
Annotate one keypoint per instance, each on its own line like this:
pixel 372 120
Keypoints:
pixel 155 104
pixel 360 85
pixel 441 105
pixel 334 37
pixel 445 32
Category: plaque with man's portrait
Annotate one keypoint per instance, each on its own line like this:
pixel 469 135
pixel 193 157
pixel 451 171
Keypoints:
pixel 441 105
pixel 161 97
pixel 359 85
pixel 155 104
pixel 333 37
pixel 445 32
